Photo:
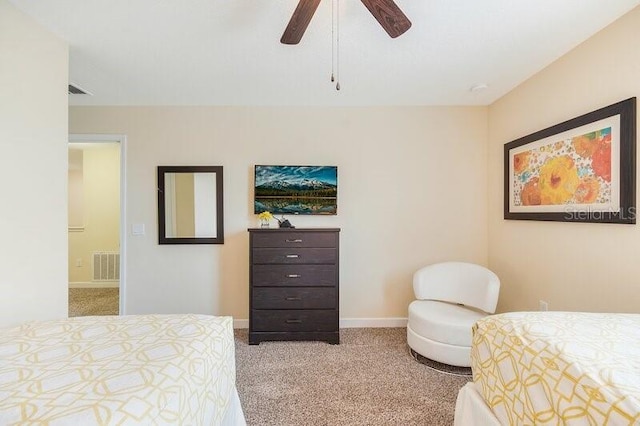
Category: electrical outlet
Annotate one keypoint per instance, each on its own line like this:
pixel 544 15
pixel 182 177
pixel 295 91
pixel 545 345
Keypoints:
pixel 543 305
pixel 79 262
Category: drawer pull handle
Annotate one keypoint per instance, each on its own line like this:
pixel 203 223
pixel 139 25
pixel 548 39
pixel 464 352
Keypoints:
pixel 293 256
pixel 293 276
pixel 293 241
pixel 294 321
pixel 291 299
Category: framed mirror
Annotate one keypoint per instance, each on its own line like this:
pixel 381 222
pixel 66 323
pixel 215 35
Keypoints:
pixel 190 205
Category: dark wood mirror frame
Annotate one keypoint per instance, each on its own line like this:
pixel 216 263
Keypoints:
pixel 162 214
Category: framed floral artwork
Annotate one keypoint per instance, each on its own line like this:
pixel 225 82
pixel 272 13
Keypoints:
pixel 581 170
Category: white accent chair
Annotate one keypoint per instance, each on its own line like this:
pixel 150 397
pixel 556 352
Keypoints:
pixel 452 296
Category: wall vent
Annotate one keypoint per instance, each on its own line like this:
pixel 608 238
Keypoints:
pixel 77 90
pixel 106 266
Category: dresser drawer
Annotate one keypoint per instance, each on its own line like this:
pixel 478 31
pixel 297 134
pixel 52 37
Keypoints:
pixel 294 275
pixel 295 239
pixel 294 320
pixel 294 255
pixel 294 298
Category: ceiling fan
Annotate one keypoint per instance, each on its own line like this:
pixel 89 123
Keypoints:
pixel 386 12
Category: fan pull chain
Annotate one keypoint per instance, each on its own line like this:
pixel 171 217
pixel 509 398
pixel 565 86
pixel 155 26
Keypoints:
pixel 333 38
pixel 338 45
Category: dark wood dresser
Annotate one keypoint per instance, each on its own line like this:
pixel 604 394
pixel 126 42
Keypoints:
pixel 293 284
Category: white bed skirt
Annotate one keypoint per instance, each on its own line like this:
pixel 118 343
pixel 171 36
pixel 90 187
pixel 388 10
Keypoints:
pixel 471 410
pixel 234 415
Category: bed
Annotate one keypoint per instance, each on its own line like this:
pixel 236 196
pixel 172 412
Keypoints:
pixel 553 368
pixel 147 369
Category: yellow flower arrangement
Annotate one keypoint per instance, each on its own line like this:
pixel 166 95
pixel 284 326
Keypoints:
pixel 265 216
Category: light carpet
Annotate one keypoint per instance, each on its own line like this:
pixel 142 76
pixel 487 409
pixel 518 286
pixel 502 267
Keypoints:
pixel 93 301
pixel 369 379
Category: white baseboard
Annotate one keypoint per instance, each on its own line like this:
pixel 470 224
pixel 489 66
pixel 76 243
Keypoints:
pixel 98 284
pixel 349 323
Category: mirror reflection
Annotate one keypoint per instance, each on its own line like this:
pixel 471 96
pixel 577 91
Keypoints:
pixel 190 204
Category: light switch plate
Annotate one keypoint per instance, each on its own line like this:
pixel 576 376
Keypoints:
pixel 137 229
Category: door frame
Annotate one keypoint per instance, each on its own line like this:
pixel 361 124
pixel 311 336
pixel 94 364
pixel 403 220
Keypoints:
pixel 122 140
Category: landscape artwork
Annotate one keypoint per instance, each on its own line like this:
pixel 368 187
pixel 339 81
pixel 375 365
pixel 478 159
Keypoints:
pixel 298 190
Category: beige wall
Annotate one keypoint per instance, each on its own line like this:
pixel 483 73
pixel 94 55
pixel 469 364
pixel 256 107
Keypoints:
pixel 412 190
pixel 584 267
pixel 33 169
pixel 101 209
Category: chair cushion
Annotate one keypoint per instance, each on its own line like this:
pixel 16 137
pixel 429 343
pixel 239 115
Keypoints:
pixel 443 322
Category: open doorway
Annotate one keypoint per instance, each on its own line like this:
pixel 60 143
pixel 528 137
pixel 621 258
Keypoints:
pixel 95 226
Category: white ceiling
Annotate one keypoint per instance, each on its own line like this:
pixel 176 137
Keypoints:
pixel 227 52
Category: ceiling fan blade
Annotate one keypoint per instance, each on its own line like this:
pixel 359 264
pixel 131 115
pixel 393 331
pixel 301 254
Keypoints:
pixel 389 15
pixel 299 21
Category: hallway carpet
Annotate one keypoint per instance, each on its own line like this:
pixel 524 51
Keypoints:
pixel 93 301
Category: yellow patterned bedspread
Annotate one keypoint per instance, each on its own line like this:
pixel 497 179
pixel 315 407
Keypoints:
pixel 150 369
pixel 552 368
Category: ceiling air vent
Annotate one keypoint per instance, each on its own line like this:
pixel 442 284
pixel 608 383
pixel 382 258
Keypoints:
pixel 76 90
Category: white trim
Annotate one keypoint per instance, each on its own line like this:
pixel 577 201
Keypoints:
pixel 122 140
pixel 349 323
pixel 101 284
